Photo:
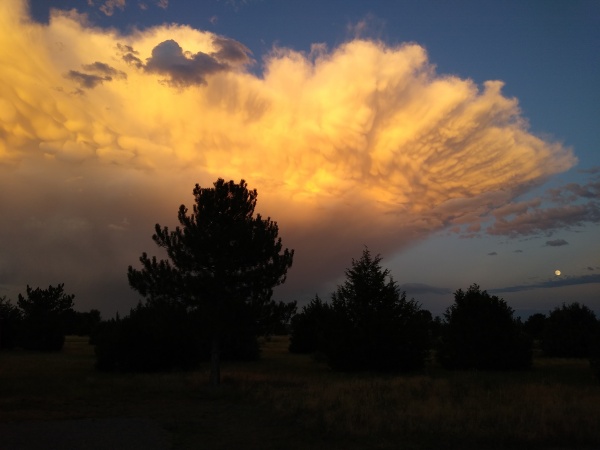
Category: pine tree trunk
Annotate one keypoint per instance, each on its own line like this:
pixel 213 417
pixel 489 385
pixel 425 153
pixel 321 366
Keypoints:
pixel 215 364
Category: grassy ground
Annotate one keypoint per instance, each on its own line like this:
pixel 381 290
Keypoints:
pixel 292 401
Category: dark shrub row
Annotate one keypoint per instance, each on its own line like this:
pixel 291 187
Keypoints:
pixel 479 332
pixel 41 319
pixel 370 325
pixel 166 336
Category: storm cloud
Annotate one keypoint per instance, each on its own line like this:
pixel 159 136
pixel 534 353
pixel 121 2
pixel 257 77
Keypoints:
pixel 187 69
pixel 362 144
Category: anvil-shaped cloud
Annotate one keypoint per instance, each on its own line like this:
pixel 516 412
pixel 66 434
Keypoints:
pixel 104 134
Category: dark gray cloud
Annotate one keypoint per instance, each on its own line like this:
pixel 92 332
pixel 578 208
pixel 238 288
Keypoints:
pixel 129 58
pixel 186 69
pixel 124 48
pixel 554 282
pixel 169 59
pixel 100 72
pixel 556 243
pixel 104 69
pixel 86 80
pixel 492 254
pixel 231 50
pixel 129 55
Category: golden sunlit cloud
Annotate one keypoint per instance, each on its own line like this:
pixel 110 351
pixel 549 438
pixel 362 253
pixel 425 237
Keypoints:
pixel 361 143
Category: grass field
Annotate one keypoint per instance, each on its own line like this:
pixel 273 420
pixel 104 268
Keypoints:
pixel 292 401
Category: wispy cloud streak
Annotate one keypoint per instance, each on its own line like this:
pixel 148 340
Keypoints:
pixel 555 282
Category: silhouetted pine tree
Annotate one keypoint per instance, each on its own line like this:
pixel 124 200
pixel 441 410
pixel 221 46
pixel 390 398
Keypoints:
pixel 481 333
pixel 222 260
pixel 373 325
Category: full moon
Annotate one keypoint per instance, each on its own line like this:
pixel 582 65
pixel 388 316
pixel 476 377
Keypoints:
pixel 557 272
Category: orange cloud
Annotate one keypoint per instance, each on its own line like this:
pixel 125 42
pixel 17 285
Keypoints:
pixel 362 143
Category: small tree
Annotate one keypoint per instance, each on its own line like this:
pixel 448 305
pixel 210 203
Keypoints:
pixel 481 333
pixel 308 328
pixel 595 353
pixel 221 257
pixel 534 325
pixel 45 314
pixel 275 317
pixel 83 323
pixel 569 331
pixel 10 323
pixel 437 328
pixel 374 326
pixel 151 338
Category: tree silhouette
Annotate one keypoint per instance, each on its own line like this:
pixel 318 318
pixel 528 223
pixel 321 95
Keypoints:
pixel 481 333
pixel 308 328
pixel 534 325
pixel 10 322
pixel 152 338
pixel 45 315
pixel 595 353
pixel 221 256
pixel 374 326
pixel 275 317
pixel 83 323
pixel 569 331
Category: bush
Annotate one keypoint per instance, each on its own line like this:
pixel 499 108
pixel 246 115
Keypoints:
pixel 42 335
pixel 480 333
pixel 160 337
pixel 151 339
pixel 83 323
pixel 534 326
pixel 569 331
pixel 436 325
pixel 373 326
pixel 308 327
pixel 595 353
pixel 45 313
pixel 238 335
pixel 10 323
pixel 273 318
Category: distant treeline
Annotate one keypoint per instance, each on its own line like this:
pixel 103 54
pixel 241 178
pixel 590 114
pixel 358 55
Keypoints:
pixel 368 325
pixel 41 319
pixel 361 329
pixel 212 300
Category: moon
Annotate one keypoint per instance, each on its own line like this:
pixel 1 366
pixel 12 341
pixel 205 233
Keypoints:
pixel 557 272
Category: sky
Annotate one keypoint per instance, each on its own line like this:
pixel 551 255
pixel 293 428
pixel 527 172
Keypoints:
pixel 458 140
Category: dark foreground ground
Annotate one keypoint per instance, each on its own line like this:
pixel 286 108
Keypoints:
pixel 59 401
pixel 85 434
pixel 283 401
